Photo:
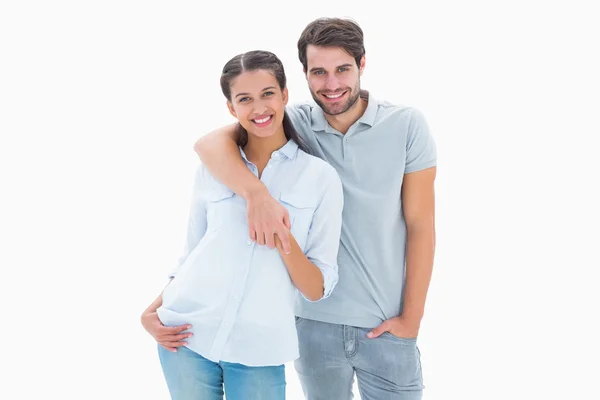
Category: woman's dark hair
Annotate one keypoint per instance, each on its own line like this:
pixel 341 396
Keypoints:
pixel 252 61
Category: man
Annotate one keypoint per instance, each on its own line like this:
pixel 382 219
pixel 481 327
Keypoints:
pixel 386 160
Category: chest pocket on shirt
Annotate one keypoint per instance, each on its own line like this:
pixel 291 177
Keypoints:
pixel 301 209
pixel 220 208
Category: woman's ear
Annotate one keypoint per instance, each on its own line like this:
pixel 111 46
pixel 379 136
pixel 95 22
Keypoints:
pixel 231 109
pixel 285 96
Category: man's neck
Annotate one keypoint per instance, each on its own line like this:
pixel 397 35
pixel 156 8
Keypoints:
pixel 344 121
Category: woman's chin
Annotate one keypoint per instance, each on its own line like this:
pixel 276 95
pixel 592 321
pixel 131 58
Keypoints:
pixel 261 134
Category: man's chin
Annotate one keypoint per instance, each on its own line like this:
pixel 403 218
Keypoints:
pixel 334 110
pixel 337 109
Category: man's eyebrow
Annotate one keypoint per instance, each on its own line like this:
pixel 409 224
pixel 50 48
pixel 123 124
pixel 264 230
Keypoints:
pixel 339 66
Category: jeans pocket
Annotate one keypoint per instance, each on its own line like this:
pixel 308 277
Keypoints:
pixel 401 362
pixel 407 341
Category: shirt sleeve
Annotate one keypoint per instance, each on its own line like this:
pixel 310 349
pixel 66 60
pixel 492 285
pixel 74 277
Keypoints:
pixel 196 221
pixel 420 147
pixel 323 241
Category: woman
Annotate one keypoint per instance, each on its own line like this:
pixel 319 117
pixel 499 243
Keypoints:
pixel 226 321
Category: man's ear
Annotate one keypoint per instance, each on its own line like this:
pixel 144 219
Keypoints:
pixel 362 65
pixel 285 96
pixel 231 110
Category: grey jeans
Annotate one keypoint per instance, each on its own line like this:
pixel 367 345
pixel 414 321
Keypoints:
pixel 387 367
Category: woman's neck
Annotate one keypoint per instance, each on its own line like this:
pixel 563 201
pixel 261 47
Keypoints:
pixel 258 150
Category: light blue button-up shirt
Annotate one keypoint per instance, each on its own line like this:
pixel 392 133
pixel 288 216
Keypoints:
pixel 238 295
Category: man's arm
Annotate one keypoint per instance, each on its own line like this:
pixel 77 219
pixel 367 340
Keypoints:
pixel 418 203
pixel 418 207
pixel 219 153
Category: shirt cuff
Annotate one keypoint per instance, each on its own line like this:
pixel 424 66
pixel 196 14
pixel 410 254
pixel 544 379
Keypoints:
pixel 330 279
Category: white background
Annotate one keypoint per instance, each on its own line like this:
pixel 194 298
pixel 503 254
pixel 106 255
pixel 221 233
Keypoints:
pixel 101 102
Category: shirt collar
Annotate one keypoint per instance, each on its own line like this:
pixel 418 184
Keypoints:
pixel 288 150
pixel 368 117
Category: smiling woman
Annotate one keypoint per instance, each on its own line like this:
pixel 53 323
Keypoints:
pixel 254 84
pixel 214 321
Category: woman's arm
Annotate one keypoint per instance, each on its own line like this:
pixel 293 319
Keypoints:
pixel 306 276
pixel 171 337
pixel 168 337
pixel 197 222
pixel 315 271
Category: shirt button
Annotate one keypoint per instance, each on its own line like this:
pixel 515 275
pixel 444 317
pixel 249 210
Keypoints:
pixel 249 243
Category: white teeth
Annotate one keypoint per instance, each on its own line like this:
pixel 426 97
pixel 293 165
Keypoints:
pixel 262 121
pixel 332 96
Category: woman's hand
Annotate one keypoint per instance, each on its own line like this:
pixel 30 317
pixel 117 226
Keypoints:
pixel 168 337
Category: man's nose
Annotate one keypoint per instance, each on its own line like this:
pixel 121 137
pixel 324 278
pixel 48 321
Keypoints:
pixel 331 83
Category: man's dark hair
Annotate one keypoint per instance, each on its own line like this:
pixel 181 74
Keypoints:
pixel 332 32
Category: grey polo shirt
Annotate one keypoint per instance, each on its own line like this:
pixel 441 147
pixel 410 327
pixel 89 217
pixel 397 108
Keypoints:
pixel 371 159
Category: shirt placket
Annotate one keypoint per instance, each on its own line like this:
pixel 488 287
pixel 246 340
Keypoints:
pixel 233 303
pixel 239 284
pixel 269 171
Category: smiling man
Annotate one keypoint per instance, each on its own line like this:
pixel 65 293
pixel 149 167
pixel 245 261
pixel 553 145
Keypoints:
pixel 386 159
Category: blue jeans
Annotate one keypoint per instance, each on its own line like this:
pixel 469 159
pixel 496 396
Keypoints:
pixel 190 376
pixel 387 367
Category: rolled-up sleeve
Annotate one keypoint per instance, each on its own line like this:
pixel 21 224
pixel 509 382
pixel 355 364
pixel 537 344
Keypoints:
pixel 323 239
pixel 196 228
